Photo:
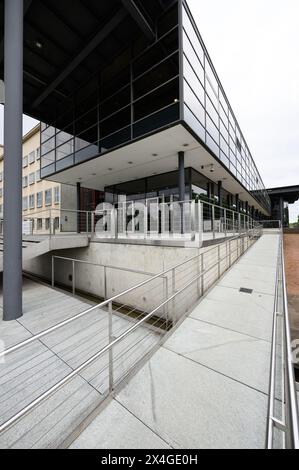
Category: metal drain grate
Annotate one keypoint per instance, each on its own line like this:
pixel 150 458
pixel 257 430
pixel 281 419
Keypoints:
pixel 246 291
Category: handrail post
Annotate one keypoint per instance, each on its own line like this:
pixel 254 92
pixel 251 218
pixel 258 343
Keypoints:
pixel 173 292
pixel 110 334
pixel 225 223
pixel 73 278
pixel 53 275
pixel 105 282
pixel 145 221
pixel 166 295
pixel 234 228
pixel 92 231
pixel 219 267
pixel 213 221
pixel 202 274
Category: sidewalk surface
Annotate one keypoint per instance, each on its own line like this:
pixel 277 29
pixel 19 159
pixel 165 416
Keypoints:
pixel 207 386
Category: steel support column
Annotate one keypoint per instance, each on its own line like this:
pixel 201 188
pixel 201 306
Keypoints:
pixel 181 176
pixel 219 193
pixel 13 110
pixel 182 186
pixel 247 208
pixel 78 207
pixel 237 203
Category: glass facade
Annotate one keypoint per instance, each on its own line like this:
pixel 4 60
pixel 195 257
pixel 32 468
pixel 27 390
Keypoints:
pixel 135 95
pixel 146 89
pixel 208 112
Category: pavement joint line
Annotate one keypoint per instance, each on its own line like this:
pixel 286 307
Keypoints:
pixel 62 360
pixel 217 371
pixel 230 329
pixel 238 290
pixel 142 422
pixel 269 312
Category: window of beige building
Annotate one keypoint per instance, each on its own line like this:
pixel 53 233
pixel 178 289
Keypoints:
pixel 32 201
pixel 39 199
pixel 57 195
pixel 25 203
pixel 25 161
pixel 31 178
pixel 31 157
pixel 25 181
pixel 48 197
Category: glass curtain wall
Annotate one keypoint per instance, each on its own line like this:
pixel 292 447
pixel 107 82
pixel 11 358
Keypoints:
pixel 209 115
pixel 136 94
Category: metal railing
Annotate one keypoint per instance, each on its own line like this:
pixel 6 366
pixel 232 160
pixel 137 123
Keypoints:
pixel 187 282
pixel 56 221
pixel 154 219
pixel 104 268
pixel 283 424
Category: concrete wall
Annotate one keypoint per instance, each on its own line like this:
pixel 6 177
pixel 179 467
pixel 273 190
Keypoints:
pixel 68 219
pixel 151 259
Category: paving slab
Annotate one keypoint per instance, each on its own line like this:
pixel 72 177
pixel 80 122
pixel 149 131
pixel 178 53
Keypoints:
pixel 117 428
pixel 192 407
pixel 240 357
pixel 250 314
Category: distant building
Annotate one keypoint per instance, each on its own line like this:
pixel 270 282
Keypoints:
pixel 42 199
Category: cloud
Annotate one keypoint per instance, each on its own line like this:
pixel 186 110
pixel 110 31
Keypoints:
pixel 254 47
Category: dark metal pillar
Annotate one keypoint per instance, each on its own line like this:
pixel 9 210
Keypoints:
pixel 209 191
pixel 181 176
pixel 219 193
pixel 78 207
pixel 281 204
pixel 247 208
pixel 13 110
pixel 237 203
pixel 182 186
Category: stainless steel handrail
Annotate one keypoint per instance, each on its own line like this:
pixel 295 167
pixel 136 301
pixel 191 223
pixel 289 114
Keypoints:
pixel 5 426
pixel 289 424
pixel 102 304
pixel 104 266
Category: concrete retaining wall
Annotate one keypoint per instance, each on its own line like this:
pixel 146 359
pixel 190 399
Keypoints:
pixel 151 259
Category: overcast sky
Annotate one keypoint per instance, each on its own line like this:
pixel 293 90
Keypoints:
pixel 254 45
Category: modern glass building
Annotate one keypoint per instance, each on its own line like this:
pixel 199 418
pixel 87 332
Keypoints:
pixel 122 87
pixel 131 107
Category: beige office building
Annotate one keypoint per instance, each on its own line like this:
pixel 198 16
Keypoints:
pixel 43 201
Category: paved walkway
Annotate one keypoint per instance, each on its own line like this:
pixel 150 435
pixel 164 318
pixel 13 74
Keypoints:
pixel 32 370
pixel 207 386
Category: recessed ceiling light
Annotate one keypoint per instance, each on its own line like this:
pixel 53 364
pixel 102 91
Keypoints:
pixel 110 169
pixel 39 44
pixel 130 163
pixel 176 100
pixel 154 154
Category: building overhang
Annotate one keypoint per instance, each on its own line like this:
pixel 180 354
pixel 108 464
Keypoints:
pixel 289 194
pixel 63 51
pixel 152 155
